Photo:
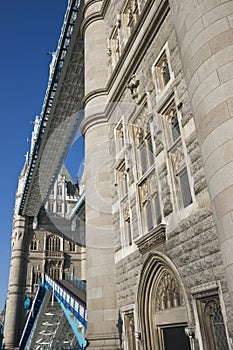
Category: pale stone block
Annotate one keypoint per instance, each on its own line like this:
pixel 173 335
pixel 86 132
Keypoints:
pixel 229 275
pixel 101 303
pixel 225 71
pixel 107 270
pixel 217 60
pixel 230 106
pixel 223 134
pixel 216 12
pixel 190 36
pixel 221 41
pixel 97 315
pixel 230 19
pixel 207 147
pixel 98 326
pixel 207 85
pixel 220 156
pixel 194 83
pixel 95 293
pixel 206 6
pixel 103 259
pixel 95 7
pixel 194 61
pixel 102 281
pixel 224 225
pixel 110 314
pixel 213 30
pixel 217 96
pixel 221 179
pixel 217 116
pixel 223 202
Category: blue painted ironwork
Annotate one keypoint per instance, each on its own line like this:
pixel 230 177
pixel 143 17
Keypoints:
pixel 78 283
pixel 74 325
pixel 63 44
pixel 76 308
pixel 70 306
pixel 34 312
pixel 78 205
pixel 27 303
pixel 74 311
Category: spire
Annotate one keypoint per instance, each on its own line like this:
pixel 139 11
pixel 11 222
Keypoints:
pixel 25 167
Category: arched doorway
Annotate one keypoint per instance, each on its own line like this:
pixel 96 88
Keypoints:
pixel 161 307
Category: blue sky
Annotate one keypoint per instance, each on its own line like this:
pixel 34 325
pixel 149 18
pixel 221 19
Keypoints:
pixel 28 29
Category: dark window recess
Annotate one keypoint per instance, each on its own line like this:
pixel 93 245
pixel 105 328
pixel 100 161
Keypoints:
pixel 174 338
pixel 185 189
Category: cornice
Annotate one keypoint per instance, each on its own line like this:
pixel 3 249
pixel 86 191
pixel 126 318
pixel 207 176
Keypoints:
pixel 104 7
pixel 91 121
pixel 95 93
pixel 96 16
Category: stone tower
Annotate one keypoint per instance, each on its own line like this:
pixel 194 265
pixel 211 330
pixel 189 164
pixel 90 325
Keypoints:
pixel 21 236
pixel 159 115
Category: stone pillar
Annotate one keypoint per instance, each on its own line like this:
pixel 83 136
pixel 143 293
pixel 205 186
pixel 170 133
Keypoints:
pixel 15 313
pixel 204 32
pixel 100 267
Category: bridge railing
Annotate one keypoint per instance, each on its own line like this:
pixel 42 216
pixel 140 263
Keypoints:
pixel 78 283
pixel 78 310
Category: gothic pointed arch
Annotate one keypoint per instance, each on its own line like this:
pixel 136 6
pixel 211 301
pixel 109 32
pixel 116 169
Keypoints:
pixel 161 302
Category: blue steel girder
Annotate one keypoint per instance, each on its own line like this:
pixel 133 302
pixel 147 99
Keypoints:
pixel 75 313
pixel 75 324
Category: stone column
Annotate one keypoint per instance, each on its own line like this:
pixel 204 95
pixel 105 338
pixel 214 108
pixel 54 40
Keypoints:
pixel 15 313
pixel 100 267
pixel 205 36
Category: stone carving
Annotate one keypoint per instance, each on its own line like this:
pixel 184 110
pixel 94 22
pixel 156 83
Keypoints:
pixel 152 239
pixel 130 330
pixel 168 294
pixel 126 213
pixel 144 192
pixel 133 86
pixel 153 183
pixel 178 159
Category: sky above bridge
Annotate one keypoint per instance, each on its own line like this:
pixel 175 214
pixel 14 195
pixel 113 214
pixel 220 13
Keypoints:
pixel 29 29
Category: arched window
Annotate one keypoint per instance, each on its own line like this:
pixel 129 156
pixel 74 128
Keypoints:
pixel 71 246
pixel 162 311
pixel 53 243
pixel 34 244
pixel 55 273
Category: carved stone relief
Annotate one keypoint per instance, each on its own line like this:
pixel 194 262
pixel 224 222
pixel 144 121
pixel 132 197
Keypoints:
pixel 168 293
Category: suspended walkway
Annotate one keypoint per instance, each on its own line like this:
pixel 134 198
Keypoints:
pixel 58 317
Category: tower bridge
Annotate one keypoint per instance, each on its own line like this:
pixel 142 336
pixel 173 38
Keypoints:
pixel 61 113
pixel 54 131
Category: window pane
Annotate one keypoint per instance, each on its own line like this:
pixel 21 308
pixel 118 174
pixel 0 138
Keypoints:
pixel 158 209
pixel 149 217
pixel 143 159
pixel 150 151
pixel 175 127
pixel 166 73
pixel 128 232
pixel 185 189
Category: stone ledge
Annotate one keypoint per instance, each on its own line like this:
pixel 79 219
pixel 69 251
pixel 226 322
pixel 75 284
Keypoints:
pixel 205 289
pixel 152 239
